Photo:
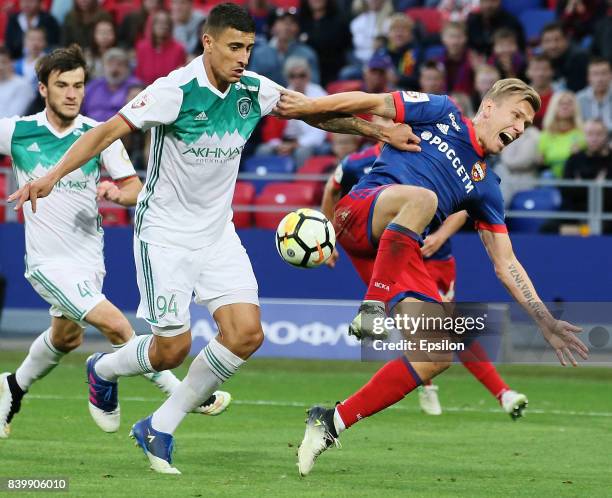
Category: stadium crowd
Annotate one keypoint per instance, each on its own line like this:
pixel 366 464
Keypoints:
pixel 563 48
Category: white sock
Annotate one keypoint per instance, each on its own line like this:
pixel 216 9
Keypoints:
pixel 338 422
pixel 130 359
pixel 211 368
pixel 165 380
pixel 41 359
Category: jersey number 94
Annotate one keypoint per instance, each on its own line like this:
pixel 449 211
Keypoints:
pixel 305 238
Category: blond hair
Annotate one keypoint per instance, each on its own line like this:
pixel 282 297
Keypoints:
pixel 513 86
pixel 401 20
pixel 550 121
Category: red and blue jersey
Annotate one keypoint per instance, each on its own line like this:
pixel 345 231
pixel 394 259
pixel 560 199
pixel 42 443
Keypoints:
pixel 451 162
pixel 354 166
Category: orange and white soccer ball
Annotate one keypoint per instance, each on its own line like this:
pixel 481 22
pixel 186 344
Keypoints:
pixel 305 238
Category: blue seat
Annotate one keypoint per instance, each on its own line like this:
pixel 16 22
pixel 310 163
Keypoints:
pixel 533 20
pixel 516 7
pixel 262 166
pixel 539 199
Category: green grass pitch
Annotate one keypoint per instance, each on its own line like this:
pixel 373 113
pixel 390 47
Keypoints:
pixel 563 447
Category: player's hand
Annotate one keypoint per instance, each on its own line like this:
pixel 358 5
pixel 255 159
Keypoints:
pixel 431 244
pixel 400 136
pixel 293 105
pixel 108 191
pixel 31 191
pixel 562 337
pixel 331 261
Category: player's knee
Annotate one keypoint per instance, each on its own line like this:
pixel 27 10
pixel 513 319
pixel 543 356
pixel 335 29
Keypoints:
pixel 428 201
pixel 253 337
pixel 117 330
pixel 69 340
pixel 170 357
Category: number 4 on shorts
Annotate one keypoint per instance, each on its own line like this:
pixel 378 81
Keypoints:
pixel 85 289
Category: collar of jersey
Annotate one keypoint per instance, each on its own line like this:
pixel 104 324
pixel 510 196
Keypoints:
pixel 203 78
pixel 475 144
pixel 43 121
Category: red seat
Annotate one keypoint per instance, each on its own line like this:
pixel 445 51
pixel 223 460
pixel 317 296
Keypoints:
pixel 317 165
pixel 281 198
pixel 430 18
pixel 5 162
pixel 3 21
pixel 344 86
pixel 286 4
pixel 113 215
pixel 244 195
pixel 3 196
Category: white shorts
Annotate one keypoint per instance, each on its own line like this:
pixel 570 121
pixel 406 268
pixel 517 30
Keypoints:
pixel 72 292
pixel 168 278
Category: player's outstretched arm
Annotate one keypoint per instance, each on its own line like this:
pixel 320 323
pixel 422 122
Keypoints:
pixel 87 146
pixel 124 192
pixel 559 334
pixel 450 227
pixel 294 105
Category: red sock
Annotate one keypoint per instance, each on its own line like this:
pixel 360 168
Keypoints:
pixel 476 360
pixel 397 248
pixel 388 386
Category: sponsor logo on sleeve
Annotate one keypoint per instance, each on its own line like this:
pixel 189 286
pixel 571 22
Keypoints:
pixel 142 100
pixel 415 97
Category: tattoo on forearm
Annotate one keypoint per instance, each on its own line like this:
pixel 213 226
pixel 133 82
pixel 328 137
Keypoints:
pixel 521 284
pixel 347 124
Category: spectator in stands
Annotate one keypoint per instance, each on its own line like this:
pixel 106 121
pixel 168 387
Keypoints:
pixel 35 43
pixel 268 58
pixel 540 74
pixel 80 21
pixel 483 23
pixel 595 100
pixel 431 78
pixel 456 60
pixel 579 16
pixel 404 51
pixel 263 13
pixel 569 63
pixel 187 23
pixel 519 163
pixel 134 25
pixel 16 92
pixel 602 39
pixel 506 57
pixel 159 53
pixel 562 134
pixel 457 10
pixel 484 79
pixel 295 137
pixel 105 96
pixel 342 144
pixel 372 21
pixel 29 16
pixel 326 31
pixel 104 38
pixel 592 163
pixel 378 73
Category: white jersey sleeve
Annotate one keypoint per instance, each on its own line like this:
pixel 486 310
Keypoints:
pixel 7 127
pixel 117 162
pixel 157 104
pixel 269 95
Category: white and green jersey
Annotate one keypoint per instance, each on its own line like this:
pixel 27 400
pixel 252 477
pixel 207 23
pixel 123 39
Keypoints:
pixel 66 228
pixel 197 139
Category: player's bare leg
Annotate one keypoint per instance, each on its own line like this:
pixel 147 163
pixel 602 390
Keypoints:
pixel 45 353
pixel 240 335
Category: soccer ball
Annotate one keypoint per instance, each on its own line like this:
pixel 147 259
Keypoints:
pixel 305 238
